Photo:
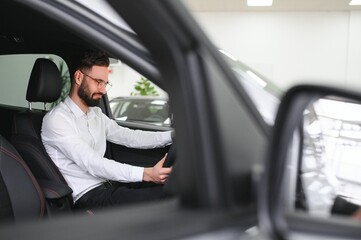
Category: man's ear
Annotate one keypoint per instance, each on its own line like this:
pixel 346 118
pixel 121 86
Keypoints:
pixel 78 77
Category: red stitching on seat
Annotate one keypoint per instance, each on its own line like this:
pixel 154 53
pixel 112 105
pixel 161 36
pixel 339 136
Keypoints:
pixel 40 155
pixel 53 191
pixel 12 155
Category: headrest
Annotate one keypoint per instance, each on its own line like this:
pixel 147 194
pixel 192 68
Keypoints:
pixel 45 82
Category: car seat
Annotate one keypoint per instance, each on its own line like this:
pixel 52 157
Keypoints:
pixel 45 85
pixel 21 197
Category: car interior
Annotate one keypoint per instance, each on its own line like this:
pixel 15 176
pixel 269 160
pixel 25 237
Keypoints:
pixel 44 86
pixel 20 127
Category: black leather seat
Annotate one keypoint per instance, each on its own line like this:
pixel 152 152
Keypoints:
pixel 21 197
pixel 45 85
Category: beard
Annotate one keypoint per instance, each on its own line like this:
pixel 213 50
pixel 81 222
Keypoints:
pixel 86 96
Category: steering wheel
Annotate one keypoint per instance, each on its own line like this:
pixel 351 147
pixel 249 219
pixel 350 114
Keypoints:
pixel 170 159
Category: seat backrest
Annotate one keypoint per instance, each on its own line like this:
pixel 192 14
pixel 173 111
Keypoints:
pixel 27 140
pixel 45 85
pixel 21 197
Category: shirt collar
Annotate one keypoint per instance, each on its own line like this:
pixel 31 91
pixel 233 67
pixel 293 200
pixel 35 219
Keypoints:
pixel 76 109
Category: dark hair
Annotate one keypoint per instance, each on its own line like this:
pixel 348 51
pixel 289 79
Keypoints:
pixel 88 59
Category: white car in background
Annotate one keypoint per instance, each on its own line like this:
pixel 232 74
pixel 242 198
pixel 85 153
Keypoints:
pixel 141 109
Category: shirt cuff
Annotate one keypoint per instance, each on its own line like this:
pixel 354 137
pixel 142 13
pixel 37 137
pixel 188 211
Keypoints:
pixel 167 138
pixel 137 174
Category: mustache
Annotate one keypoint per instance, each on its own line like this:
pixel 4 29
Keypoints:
pixel 98 93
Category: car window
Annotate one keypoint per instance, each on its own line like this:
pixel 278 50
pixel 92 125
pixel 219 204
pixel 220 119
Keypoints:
pixel 135 99
pixel 16 70
pixel 235 121
pixel 131 93
pixel 141 110
pixel 264 94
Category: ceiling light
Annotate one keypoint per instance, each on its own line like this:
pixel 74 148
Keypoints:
pixel 355 2
pixel 259 3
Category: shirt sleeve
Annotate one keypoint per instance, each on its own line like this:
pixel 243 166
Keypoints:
pixel 135 138
pixel 60 134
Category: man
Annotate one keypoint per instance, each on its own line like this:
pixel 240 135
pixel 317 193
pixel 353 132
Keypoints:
pixel 74 134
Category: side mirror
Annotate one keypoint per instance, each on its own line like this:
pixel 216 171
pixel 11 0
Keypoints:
pixel 312 178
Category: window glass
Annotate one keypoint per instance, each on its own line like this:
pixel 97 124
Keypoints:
pixel 264 94
pixel 243 141
pixel 135 99
pixel 16 70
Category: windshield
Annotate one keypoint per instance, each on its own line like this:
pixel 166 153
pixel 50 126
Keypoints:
pixel 264 93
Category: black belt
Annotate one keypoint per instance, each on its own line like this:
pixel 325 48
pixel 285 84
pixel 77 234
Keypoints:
pixel 103 186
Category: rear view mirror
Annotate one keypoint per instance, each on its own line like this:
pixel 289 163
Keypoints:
pixel 312 178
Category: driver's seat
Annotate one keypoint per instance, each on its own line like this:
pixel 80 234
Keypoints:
pixel 45 85
pixel 21 197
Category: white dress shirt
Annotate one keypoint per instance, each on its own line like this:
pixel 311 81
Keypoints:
pixel 76 142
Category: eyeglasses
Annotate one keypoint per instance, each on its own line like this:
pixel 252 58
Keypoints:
pixel 101 83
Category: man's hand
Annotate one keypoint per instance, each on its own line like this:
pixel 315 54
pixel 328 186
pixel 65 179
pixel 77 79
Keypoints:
pixel 157 174
pixel 357 214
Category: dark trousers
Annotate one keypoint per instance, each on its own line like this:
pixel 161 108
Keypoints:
pixel 116 194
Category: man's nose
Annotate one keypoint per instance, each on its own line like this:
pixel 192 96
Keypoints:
pixel 102 89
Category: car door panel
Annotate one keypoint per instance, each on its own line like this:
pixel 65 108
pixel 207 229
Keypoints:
pixel 137 157
pixel 133 156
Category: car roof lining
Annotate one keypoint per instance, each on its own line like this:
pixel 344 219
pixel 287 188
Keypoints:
pixel 29 31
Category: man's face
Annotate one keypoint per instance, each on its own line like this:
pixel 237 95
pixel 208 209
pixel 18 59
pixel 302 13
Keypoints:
pixel 92 87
